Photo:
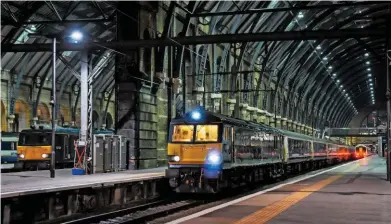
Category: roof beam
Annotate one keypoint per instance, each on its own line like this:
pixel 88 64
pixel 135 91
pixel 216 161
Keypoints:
pixel 284 9
pixel 206 39
pixel 75 21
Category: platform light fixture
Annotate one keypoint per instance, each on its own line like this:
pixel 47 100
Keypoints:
pixel 367 62
pixel 370 84
pixel 330 67
pixel 368 69
pixel 325 59
pixel 369 75
pixel 366 54
pixel 338 81
pixel 76 36
pixel 318 47
pixel 334 74
pixel 301 15
pixel 341 86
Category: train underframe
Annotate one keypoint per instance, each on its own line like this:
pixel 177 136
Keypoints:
pixel 201 180
pixel 41 164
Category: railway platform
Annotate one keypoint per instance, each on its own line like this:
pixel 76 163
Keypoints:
pixel 356 192
pixel 67 194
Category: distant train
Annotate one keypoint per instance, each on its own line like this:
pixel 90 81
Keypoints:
pixel 9 142
pixel 209 151
pixel 361 151
pixel 34 147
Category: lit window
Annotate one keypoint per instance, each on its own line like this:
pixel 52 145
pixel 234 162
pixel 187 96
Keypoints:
pixel 207 133
pixel 183 133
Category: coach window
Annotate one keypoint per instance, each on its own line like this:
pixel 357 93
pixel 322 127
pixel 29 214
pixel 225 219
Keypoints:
pixel 207 133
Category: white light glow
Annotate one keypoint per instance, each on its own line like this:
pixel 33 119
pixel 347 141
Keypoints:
pixel 318 47
pixel 367 62
pixel 366 54
pixel 301 15
pixel 334 74
pixel 77 36
pixel 368 69
pixel 330 67
pixel 195 115
pixel 325 58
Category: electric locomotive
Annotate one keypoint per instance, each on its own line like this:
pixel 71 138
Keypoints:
pixel 34 148
pixel 208 152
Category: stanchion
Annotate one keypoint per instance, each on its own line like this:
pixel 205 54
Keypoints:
pixel 79 166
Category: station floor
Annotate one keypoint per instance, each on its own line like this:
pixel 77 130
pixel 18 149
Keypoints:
pixel 32 182
pixel 354 193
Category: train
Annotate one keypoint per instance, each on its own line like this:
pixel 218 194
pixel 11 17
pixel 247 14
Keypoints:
pixel 361 151
pixel 34 147
pixel 9 142
pixel 208 152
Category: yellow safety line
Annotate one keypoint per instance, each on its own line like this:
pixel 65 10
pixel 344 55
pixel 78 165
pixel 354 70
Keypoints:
pixel 271 211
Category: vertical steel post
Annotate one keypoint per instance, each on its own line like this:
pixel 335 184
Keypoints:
pixel 54 102
pixel 388 95
pixel 83 98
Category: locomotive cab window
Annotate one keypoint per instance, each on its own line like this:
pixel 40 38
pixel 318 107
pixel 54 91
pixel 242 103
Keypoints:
pixel 207 133
pixel 34 139
pixel 183 133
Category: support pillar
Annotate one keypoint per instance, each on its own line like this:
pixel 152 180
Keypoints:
pixel 11 119
pixel 278 121
pixel 243 111
pixel 284 122
pixel 198 93
pixel 216 102
pixel 269 118
pixel 252 113
pixel 231 106
pixel 388 97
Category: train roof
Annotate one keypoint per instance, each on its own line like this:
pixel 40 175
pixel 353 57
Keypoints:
pixel 9 136
pixel 211 117
pixel 67 130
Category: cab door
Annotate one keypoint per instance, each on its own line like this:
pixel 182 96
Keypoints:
pixel 227 146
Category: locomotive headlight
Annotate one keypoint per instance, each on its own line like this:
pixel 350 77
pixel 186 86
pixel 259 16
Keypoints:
pixel 214 158
pixel 174 158
pixel 45 156
pixel 21 156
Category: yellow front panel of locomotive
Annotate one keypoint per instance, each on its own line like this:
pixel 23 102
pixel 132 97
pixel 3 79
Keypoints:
pixel 192 153
pixel 34 152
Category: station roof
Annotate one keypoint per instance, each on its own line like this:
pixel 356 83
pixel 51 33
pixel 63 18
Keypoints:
pixel 314 64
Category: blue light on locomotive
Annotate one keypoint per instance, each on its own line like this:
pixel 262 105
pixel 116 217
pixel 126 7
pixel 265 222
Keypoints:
pixel 213 158
pixel 195 115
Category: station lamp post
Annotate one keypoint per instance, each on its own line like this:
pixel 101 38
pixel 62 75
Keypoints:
pixel 76 36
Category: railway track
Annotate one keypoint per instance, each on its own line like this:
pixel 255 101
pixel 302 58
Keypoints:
pixel 140 214
pixel 175 206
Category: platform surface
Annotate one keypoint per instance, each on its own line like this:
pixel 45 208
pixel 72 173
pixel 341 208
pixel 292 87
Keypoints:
pixel 354 193
pixel 32 182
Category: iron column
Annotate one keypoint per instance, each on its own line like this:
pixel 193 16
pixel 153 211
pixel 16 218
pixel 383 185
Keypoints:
pixel 53 156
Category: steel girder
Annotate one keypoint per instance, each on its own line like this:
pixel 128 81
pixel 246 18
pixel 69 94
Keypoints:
pixel 206 39
pixel 346 21
pixel 283 9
